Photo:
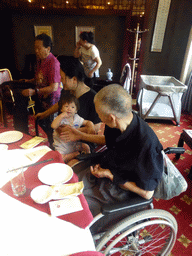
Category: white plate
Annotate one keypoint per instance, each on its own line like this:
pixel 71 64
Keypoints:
pixel 3 147
pixel 10 137
pixel 41 194
pixel 55 173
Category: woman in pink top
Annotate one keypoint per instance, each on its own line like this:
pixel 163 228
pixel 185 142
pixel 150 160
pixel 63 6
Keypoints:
pixel 44 87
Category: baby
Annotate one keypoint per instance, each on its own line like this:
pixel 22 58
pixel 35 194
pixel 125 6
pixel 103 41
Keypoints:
pixel 69 116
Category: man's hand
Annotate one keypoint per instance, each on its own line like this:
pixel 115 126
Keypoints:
pixel 28 92
pixel 68 133
pixel 99 172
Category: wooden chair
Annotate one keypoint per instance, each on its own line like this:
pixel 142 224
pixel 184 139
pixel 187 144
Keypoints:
pixel 5 76
pixel 31 104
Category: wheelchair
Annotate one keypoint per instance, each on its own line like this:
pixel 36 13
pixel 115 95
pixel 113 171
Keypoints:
pixel 132 227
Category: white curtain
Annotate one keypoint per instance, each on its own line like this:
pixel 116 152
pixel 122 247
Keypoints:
pixel 187 97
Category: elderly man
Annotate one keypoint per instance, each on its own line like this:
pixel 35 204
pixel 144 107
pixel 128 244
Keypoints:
pixel 133 160
pixel 45 87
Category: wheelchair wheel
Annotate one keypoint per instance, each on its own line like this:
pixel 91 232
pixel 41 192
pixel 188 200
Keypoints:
pixel 150 232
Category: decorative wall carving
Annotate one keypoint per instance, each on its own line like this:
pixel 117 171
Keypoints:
pixel 137 6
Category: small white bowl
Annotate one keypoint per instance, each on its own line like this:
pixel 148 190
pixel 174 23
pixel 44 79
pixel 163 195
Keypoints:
pixel 41 194
pixel 3 147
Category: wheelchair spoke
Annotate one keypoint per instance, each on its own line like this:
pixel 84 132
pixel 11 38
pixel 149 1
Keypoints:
pixel 149 240
pixel 147 233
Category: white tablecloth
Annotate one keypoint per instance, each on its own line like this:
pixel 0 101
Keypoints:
pixel 10 159
pixel 27 231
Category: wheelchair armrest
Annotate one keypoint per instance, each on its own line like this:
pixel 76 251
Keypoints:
pixel 135 202
pixel 174 150
pixel 93 158
pixel 79 166
pixel 88 156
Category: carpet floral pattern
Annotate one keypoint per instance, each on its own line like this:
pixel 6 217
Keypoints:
pixel 180 207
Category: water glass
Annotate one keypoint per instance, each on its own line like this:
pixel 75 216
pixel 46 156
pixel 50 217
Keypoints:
pixel 18 182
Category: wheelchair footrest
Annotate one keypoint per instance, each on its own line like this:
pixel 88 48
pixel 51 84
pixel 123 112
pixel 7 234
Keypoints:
pixel 134 202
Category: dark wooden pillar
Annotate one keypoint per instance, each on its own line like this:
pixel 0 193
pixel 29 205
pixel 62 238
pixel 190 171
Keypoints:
pixel 127 41
pixel 7 59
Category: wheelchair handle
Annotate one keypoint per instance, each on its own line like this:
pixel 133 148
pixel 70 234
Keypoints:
pixel 174 150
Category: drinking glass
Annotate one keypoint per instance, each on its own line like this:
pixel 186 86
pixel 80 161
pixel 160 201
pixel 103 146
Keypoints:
pixel 18 182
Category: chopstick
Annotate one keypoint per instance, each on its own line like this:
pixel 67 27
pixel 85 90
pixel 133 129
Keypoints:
pixel 26 166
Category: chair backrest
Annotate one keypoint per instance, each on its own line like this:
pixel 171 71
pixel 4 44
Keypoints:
pixel 5 75
pixel 125 79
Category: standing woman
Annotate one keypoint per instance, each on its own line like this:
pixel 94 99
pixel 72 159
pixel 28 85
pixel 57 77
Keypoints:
pixel 88 53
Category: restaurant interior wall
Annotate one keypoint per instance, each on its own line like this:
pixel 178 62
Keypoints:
pixel 170 60
pixel 109 36
pixel 167 62
pixel 7 59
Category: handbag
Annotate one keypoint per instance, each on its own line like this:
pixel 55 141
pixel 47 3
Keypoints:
pixel 172 182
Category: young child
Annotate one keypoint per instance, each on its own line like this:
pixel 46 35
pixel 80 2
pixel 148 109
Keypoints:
pixel 69 116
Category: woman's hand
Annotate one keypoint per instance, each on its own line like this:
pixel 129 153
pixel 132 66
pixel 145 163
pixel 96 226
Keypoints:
pixel 53 109
pixel 27 80
pixel 77 53
pixel 90 74
pixel 88 127
pixel 91 130
pixel 40 116
pixel 28 92
pixel 99 172
pixel 78 45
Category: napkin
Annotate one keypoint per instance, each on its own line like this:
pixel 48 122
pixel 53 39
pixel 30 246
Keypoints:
pixel 36 154
pixel 67 190
pixel 32 142
pixel 42 194
pixel 65 206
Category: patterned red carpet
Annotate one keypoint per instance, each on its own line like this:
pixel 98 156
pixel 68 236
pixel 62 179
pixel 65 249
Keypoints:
pixel 180 207
pixel 31 126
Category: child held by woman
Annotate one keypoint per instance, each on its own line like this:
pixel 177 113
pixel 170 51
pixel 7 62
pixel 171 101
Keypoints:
pixel 68 116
